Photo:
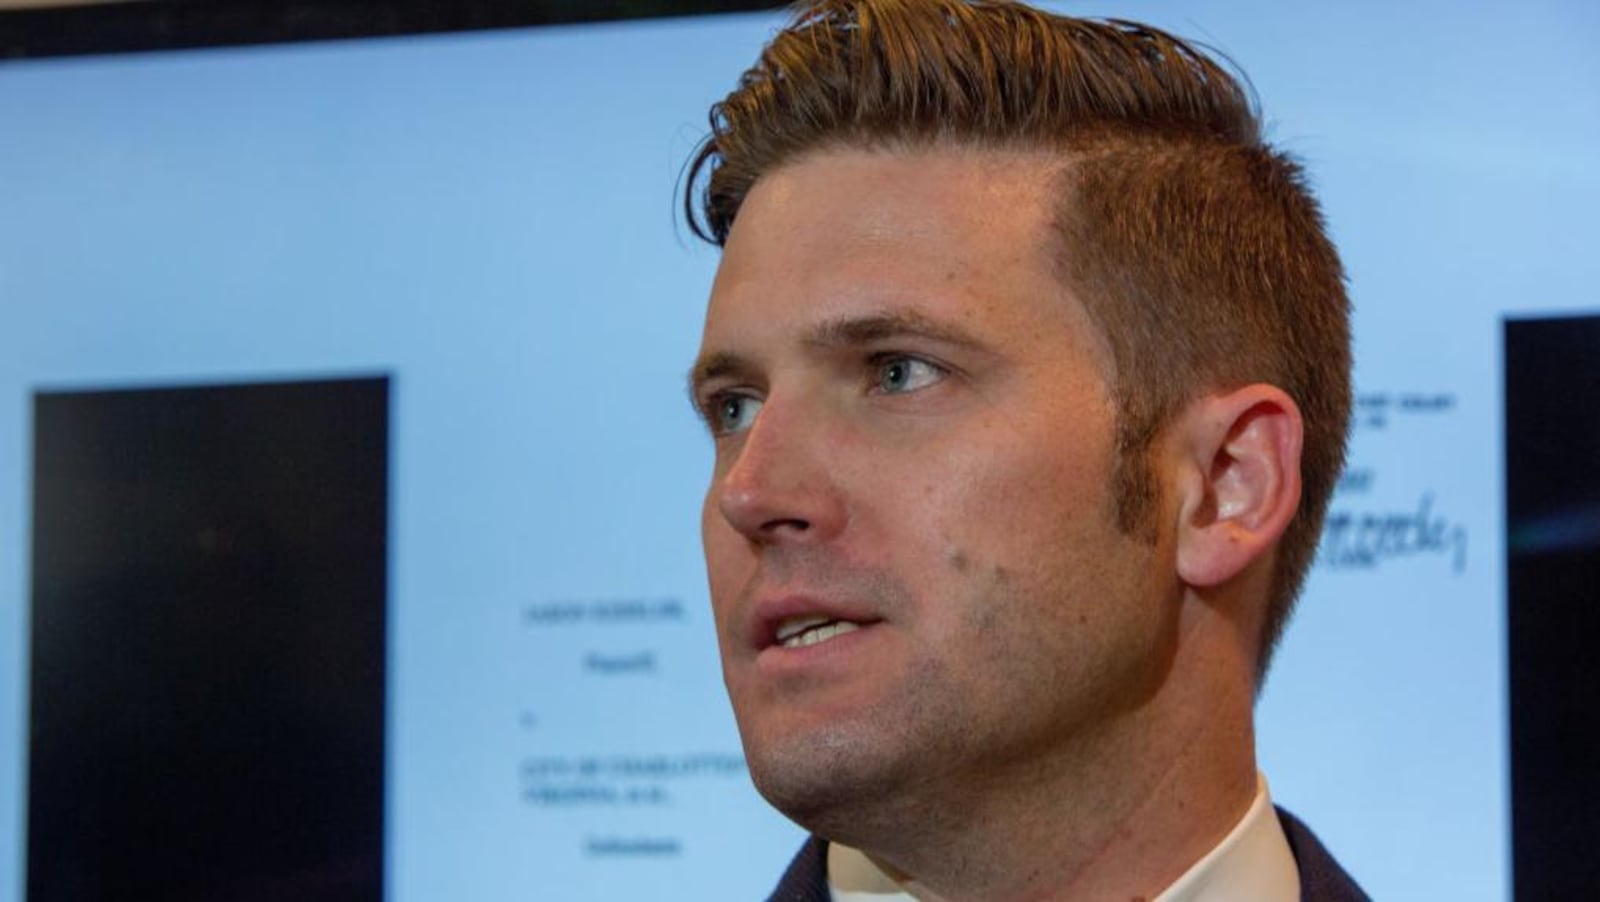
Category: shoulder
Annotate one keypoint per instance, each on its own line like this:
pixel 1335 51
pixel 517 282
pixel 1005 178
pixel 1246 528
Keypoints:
pixel 1321 877
pixel 806 880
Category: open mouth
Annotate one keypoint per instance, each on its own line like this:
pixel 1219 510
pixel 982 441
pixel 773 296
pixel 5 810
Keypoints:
pixel 800 632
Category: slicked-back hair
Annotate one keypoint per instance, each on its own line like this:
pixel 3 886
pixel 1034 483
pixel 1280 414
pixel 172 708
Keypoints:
pixel 1197 248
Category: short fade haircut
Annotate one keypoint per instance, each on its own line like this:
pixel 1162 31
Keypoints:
pixel 1196 248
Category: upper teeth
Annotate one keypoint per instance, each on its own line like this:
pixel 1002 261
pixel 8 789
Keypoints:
pixel 799 632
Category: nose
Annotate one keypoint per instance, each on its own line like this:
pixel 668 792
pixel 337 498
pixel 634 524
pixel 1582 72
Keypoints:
pixel 778 485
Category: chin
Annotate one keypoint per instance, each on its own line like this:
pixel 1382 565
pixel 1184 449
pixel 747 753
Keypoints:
pixel 835 785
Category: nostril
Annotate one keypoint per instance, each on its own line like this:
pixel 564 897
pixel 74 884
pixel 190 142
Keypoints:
pixel 786 524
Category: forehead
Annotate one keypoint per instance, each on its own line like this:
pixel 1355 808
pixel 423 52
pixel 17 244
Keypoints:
pixel 945 209
pixel 966 236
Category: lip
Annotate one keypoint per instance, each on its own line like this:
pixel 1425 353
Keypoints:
pixel 767 614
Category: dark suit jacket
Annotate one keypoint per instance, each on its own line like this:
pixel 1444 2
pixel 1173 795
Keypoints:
pixel 1321 878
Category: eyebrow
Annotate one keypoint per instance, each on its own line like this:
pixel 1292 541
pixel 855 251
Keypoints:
pixel 844 332
pixel 850 331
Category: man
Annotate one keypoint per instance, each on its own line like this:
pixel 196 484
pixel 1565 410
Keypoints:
pixel 1027 366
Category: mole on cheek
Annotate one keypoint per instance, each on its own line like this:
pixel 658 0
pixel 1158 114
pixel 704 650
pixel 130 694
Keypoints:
pixel 958 561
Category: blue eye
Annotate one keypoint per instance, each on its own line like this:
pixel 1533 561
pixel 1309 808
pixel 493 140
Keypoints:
pixel 900 374
pixel 731 413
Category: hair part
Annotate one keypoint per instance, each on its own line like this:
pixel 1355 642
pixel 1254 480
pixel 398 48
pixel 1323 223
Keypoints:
pixel 1197 249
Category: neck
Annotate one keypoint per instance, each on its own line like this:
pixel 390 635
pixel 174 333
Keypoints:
pixel 1121 814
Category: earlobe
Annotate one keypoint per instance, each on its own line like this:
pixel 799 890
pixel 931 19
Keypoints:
pixel 1241 451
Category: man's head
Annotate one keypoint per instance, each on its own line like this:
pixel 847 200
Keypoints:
pixel 1006 359
pixel 1196 248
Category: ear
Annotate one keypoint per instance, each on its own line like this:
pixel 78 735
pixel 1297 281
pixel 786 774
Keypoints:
pixel 1240 455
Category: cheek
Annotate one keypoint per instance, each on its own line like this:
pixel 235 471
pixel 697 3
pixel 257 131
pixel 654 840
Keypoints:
pixel 1019 540
pixel 710 519
pixel 1004 507
pixel 727 563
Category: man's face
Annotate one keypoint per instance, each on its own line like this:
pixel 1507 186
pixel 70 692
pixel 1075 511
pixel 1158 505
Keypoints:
pixel 918 583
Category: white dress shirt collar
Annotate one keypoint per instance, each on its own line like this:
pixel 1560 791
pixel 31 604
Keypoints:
pixel 1253 862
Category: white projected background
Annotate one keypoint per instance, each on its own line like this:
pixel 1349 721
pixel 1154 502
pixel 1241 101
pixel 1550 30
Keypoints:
pixel 489 218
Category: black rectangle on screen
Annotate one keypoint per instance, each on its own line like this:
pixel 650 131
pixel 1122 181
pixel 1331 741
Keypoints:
pixel 1552 397
pixel 209 579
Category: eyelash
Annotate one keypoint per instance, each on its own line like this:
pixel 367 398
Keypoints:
pixel 880 362
pixel 711 408
pixel 876 366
